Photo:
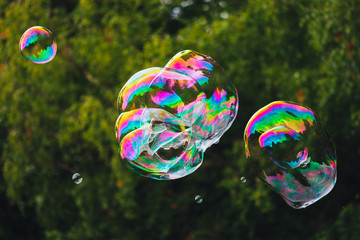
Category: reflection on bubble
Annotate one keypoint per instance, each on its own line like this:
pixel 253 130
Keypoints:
pixel 171 115
pixel 77 179
pixel 292 152
pixel 38 45
pixel 198 199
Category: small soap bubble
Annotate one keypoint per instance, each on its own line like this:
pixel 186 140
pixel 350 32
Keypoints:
pixel 224 15
pixel 176 12
pixel 243 179
pixel 292 152
pixel 38 45
pixel 77 179
pixel 206 7
pixel 169 116
pixel 198 199
pixel 222 4
pixel 167 2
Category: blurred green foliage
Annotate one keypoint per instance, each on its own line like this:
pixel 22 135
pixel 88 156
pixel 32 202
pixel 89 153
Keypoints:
pixel 58 118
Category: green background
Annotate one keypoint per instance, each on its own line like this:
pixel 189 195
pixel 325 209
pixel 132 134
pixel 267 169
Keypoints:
pixel 58 118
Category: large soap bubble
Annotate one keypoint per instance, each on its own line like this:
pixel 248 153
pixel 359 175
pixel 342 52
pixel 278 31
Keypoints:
pixel 169 116
pixel 292 152
pixel 38 45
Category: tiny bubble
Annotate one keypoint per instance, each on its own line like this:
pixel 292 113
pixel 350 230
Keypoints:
pixel 77 178
pixel 198 199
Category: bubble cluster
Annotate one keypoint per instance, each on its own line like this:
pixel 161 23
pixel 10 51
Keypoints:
pixel 292 152
pixel 38 45
pixel 171 115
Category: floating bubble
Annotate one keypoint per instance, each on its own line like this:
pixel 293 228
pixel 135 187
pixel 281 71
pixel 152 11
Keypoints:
pixel 198 199
pixel 77 179
pixel 171 115
pixel 243 179
pixel 292 152
pixel 38 45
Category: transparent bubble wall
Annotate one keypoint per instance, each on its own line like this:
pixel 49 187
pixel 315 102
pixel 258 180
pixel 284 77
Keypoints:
pixel 292 152
pixel 169 116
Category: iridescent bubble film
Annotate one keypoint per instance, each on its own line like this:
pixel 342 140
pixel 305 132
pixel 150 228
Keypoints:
pixel 292 152
pixel 38 45
pixel 169 116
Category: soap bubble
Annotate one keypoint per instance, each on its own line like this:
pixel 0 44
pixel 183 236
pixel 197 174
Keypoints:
pixel 169 116
pixel 198 199
pixel 77 179
pixel 38 45
pixel 292 152
pixel 243 179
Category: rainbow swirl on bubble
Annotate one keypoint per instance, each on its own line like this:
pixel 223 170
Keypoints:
pixel 292 152
pixel 38 45
pixel 169 116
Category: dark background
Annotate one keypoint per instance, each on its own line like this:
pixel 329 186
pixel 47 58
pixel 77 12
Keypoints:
pixel 58 118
